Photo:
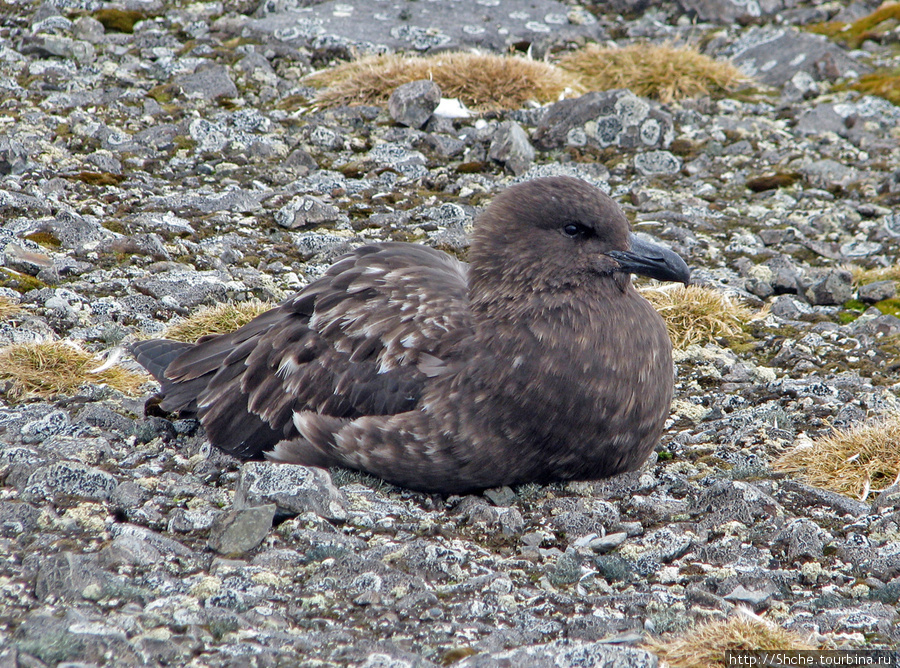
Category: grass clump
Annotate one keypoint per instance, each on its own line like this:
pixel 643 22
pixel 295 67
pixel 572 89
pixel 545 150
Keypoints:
pixel 865 276
pixel 883 83
pixel 853 462
pixel 663 72
pixel 52 368
pixel 484 82
pixel 875 26
pixel 696 314
pixel 219 319
pixel 705 645
pixel 8 308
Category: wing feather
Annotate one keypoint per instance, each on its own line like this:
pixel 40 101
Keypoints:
pixel 348 345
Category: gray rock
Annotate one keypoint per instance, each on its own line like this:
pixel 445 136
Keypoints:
pixel 875 292
pixel 71 479
pixel 17 518
pixel 729 11
pixel 564 654
pixel 887 498
pixel 306 210
pixel 412 26
pixel 443 146
pixel 789 308
pixel 809 495
pixel 756 599
pixel 235 200
pixel 656 163
pixel 208 82
pixel 501 496
pixel 802 540
pixel 829 173
pixel 89 29
pixel 608 543
pixel 510 146
pixel 241 529
pixel 820 119
pixel 75 576
pixel 859 249
pixel 735 500
pixel 295 489
pixel 13 156
pixel 615 118
pixel 186 289
pixel 775 55
pixel 410 164
pixel 412 104
pixel 829 286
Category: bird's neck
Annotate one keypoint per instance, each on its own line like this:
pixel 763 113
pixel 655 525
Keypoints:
pixel 571 301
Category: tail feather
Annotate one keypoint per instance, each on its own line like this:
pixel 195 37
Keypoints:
pixel 155 355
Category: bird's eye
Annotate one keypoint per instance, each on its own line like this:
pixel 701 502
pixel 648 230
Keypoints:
pixel 574 230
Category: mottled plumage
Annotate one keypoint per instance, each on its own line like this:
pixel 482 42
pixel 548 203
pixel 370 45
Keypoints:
pixel 537 362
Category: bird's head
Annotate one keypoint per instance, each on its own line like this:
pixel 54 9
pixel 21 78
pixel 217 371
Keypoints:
pixel 558 233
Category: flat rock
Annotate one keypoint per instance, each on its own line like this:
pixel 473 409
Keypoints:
pixel 775 55
pixel 564 654
pixel 70 478
pixel 241 529
pixel 729 11
pixel 295 489
pixel 423 26
pixel 208 82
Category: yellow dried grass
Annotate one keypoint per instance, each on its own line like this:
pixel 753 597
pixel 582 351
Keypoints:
pixel 219 319
pixel 705 645
pixel 484 82
pixel 854 462
pixel 8 308
pixel 54 368
pixel 865 276
pixel 663 72
pixel 697 314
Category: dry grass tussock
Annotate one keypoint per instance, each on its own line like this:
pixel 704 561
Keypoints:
pixel 49 369
pixel 695 314
pixel 865 276
pixel 219 319
pixel 484 82
pixel 663 72
pixel 8 308
pixel 705 645
pixel 854 462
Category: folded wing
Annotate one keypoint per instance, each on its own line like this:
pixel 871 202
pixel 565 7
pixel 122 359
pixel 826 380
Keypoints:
pixel 361 340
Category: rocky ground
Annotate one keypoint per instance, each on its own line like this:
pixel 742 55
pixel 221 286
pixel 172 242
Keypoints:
pixel 146 174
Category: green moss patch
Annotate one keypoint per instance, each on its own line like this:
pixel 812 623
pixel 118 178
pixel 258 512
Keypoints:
pixel 119 20
pixel 876 26
pixel 883 83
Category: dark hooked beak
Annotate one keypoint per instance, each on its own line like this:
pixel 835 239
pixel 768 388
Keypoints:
pixel 647 259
